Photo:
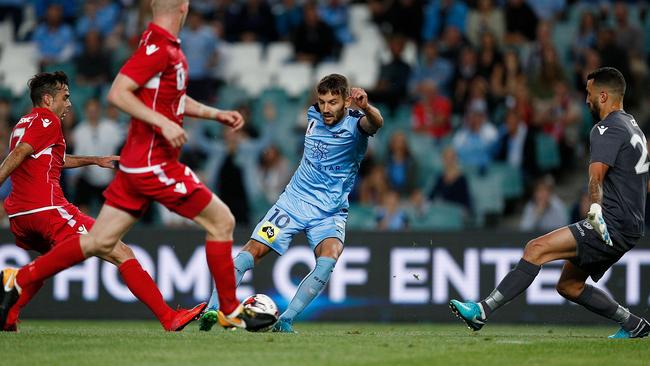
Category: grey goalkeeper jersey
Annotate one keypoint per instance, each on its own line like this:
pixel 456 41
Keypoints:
pixel 618 142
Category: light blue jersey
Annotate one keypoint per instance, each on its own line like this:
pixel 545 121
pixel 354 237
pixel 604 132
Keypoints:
pixel 330 161
pixel 316 198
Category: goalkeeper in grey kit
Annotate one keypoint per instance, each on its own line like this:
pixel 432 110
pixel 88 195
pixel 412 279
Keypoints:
pixel 618 183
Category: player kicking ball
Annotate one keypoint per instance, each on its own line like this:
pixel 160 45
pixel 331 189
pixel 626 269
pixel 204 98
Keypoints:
pixel 151 88
pixel 316 199
pixel 618 182
pixel 40 216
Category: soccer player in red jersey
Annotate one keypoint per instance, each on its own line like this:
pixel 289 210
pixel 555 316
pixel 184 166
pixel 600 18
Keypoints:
pixel 151 88
pixel 41 217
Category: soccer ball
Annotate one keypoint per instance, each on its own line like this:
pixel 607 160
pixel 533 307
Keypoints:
pixel 264 307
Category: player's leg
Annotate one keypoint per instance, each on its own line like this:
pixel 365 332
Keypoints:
pixel 244 261
pixel 572 287
pixel 144 288
pixel 327 253
pixel 558 244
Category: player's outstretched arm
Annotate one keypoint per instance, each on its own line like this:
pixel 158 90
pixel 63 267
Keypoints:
pixel 76 161
pixel 373 120
pixel 122 95
pixel 14 159
pixel 197 109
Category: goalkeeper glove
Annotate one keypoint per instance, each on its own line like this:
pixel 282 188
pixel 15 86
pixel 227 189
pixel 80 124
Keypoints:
pixel 595 218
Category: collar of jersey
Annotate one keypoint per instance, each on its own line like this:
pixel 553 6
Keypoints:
pixel 158 29
pixel 44 112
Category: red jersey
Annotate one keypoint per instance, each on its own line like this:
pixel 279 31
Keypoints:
pixel 159 67
pixel 36 182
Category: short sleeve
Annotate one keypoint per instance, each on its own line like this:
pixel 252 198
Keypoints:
pixel 42 133
pixel 605 143
pixel 147 61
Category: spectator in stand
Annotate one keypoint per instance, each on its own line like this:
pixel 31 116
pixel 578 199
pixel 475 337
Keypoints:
pixel 275 173
pixel 465 72
pixel 547 10
pixel 256 22
pixel 200 43
pixel 431 114
pixel 581 206
pixel 313 40
pixel 401 168
pixel 516 145
pixel 451 44
pixel 288 16
pixel 585 38
pixel 94 136
pixel 628 35
pixel 98 15
pixel 406 17
pixel 335 14
pixel 506 76
pixel 392 83
pixel 545 211
pixel 432 67
pixel 374 186
pixel 485 18
pixel 521 23
pixel 452 186
pixel 390 216
pixel 549 73
pixel 94 63
pixel 442 14
pixel 54 39
pixel 489 55
pixel 475 141
pixel 13 10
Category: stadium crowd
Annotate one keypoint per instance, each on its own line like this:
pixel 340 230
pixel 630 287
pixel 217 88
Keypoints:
pixel 483 100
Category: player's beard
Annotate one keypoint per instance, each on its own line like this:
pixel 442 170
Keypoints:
pixel 595 112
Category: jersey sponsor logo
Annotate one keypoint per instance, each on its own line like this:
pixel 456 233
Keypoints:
pixel 151 49
pixel 602 129
pixel 268 232
pixel 27 119
pixel 180 188
pixel 310 128
pixel 46 122
pixel 319 151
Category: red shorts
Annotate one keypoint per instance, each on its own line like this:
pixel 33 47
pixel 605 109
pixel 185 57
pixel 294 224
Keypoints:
pixel 41 231
pixel 174 185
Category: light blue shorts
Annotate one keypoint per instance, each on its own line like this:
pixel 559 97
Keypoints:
pixel 291 215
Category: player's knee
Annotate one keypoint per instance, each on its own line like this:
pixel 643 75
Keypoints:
pixel 570 290
pixel 103 247
pixel 535 250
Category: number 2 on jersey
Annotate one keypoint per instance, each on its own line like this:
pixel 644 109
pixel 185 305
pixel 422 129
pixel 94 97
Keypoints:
pixel 643 164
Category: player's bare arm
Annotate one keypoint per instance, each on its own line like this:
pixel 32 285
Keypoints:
pixel 597 171
pixel 14 159
pixel 373 120
pixel 197 109
pixel 76 161
pixel 122 95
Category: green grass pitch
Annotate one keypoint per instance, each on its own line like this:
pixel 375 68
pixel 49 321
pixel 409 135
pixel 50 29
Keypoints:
pixel 145 343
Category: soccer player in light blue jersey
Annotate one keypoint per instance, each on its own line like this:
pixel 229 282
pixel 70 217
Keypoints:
pixel 316 199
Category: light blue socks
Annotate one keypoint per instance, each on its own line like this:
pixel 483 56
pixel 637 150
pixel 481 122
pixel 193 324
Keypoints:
pixel 312 285
pixel 243 262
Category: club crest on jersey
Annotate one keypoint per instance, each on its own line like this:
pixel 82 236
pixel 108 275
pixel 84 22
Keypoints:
pixel 268 232
pixel 319 151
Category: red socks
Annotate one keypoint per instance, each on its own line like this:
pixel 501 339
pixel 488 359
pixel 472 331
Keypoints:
pixel 145 289
pixel 219 257
pixel 62 256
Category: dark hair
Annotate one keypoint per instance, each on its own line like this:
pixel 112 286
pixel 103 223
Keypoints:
pixel 609 77
pixel 46 83
pixel 336 84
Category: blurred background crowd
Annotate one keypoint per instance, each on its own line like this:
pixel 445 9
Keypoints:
pixel 483 100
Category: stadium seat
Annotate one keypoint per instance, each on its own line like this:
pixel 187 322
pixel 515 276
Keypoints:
pixel 254 81
pixel 230 96
pixel 18 63
pixel 512 183
pixel 277 54
pixel 487 195
pixel 6 33
pixel 241 58
pixel 361 217
pixel 547 152
pixel 326 68
pixel 295 78
pixel 439 216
